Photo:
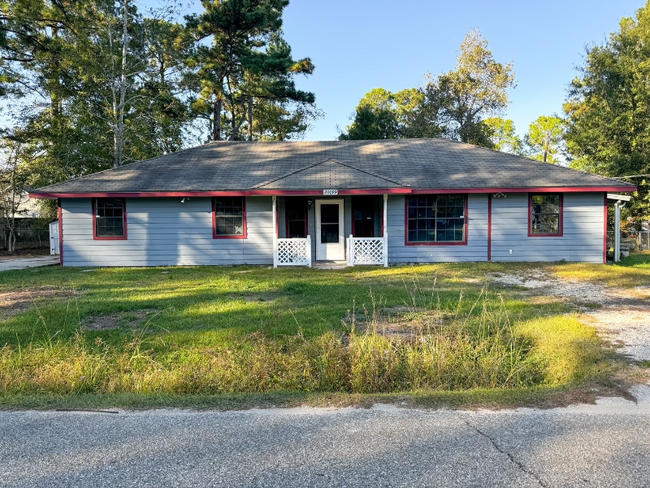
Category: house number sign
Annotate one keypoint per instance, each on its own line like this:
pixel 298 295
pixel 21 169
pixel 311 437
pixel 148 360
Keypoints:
pixel 330 192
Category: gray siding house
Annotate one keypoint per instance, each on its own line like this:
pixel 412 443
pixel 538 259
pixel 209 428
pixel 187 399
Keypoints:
pixel 357 202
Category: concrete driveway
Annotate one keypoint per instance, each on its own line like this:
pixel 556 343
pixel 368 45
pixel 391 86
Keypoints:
pixel 595 445
pixel 11 264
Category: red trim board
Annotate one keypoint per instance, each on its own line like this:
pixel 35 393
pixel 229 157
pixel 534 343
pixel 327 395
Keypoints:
pixel 605 233
pixel 225 193
pixel 563 189
pixel 403 191
pixel 60 212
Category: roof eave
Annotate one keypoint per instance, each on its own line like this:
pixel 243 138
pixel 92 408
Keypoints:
pixel 316 192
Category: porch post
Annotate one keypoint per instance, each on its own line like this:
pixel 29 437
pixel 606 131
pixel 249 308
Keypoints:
pixel 308 250
pixel 275 232
pixel 385 228
pixel 350 250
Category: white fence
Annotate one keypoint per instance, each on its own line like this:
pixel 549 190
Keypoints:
pixel 367 250
pixel 293 252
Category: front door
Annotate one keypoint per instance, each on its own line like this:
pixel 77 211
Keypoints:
pixel 330 233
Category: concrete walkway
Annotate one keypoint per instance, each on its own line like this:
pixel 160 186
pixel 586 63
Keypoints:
pixel 601 445
pixel 24 263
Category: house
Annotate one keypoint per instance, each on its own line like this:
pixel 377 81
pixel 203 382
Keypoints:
pixel 362 202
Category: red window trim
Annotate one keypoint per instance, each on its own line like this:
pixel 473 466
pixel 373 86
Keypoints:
pixel 530 215
pixel 214 222
pixel 98 238
pixel 286 219
pixel 406 226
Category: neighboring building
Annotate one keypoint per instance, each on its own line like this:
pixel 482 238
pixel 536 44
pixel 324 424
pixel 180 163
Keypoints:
pixel 28 229
pixel 291 203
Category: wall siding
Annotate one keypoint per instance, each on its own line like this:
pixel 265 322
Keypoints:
pixel 164 231
pixel 582 241
pixel 475 250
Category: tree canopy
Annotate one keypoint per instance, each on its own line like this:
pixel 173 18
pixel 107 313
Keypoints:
pixel 503 135
pixel 247 66
pixel 545 139
pixel 453 104
pixel 608 108
pixel 97 84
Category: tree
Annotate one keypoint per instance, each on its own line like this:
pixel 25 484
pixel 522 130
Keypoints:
pixel 545 139
pixel 382 114
pixel 247 61
pixel 280 121
pixel 112 79
pixel 475 90
pixel 608 108
pixel 375 117
pixel 503 136
pixel 13 179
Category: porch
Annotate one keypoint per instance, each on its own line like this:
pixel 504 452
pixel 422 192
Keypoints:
pixel 350 229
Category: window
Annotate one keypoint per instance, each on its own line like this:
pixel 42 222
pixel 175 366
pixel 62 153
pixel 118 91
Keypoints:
pixel 436 219
pixel 296 215
pixel 363 216
pixel 329 223
pixel 545 218
pixel 229 218
pixel 109 216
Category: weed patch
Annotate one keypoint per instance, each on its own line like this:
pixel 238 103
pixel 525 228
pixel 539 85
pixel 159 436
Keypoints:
pixel 430 331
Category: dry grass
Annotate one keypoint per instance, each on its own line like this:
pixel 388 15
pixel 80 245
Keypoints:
pixel 446 348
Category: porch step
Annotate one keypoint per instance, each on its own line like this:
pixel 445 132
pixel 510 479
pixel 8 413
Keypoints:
pixel 329 264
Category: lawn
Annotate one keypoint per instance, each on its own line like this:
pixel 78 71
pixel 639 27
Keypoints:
pixel 242 336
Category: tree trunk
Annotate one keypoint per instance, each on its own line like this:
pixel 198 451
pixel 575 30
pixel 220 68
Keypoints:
pixel 119 108
pixel 546 142
pixel 216 115
pixel 11 241
pixel 250 119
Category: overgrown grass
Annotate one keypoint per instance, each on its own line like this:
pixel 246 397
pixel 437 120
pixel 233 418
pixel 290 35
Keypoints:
pixel 630 272
pixel 220 333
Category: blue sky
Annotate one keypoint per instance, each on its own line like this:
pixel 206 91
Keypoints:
pixel 358 45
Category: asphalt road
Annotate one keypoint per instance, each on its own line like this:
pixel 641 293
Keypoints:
pixel 592 446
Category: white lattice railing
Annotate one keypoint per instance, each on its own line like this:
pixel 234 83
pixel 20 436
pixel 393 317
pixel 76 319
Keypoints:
pixel 293 252
pixel 367 250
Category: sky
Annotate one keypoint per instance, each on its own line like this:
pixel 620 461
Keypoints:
pixel 358 45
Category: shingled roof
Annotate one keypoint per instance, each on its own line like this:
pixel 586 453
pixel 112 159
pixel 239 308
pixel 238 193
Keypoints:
pixel 406 164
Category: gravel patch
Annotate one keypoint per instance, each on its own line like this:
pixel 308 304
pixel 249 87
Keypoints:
pixel 623 316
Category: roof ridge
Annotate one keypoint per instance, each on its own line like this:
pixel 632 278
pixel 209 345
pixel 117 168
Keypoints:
pixel 267 182
pixel 334 160
pixel 376 175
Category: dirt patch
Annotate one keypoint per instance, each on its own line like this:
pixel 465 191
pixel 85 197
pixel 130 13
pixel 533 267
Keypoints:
pixel 128 320
pixel 16 302
pixel 621 315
